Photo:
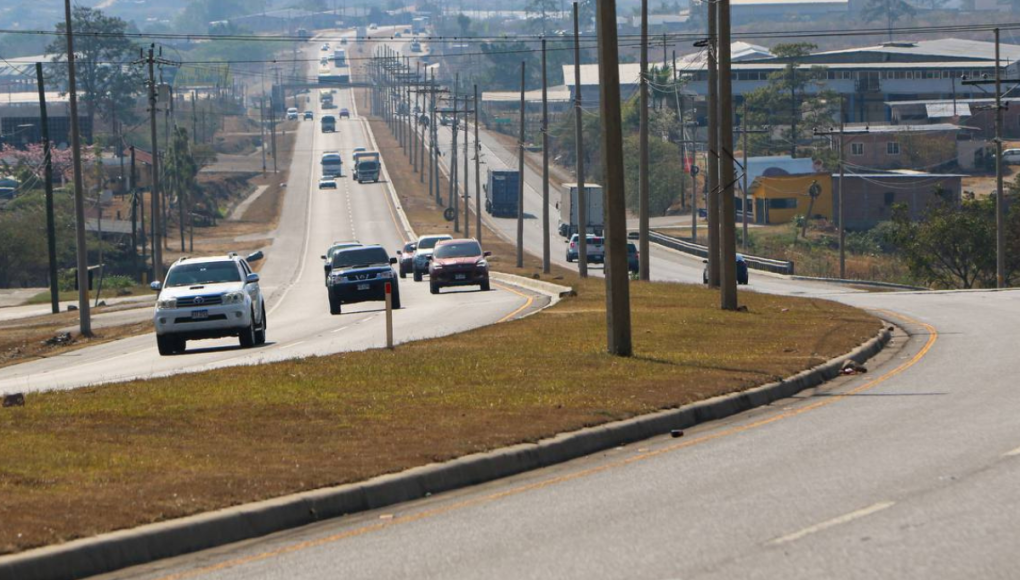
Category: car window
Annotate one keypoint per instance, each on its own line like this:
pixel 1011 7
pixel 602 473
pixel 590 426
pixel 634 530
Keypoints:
pixel 429 243
pixel 458 250
pixel 360 257
pixel 596 241
pixel 338 247
pixel 203 273
pixel 409 247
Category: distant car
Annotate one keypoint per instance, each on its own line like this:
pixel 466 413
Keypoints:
pixel 324 61
pixel 458 263
pixel 742 272
pixel 422 250
pixel 398 35
pixel 354 154
pixel 406 259
pixel 309 115
pixel 596 248
pixel 292 114
pixel 345 114
pixel 373 26
pixel 360 275
pixel 325 47
pixel 633 258
pixel 327 183
pixel 1011 156
pixel 343 40
pixel 327 258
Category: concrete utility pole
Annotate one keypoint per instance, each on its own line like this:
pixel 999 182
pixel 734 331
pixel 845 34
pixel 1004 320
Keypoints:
pixel 51 228
pixel 156 195
pixel 435 144
pixel 262 126
pixel 454 178
pixel 618 333
pixel 421 138
pixel 744 132
pixel 1000 201
pixel 520 180
pixel 727 226
pixel 841 222
pixel 412 119
pixel 643 162
pixel 478 173
pixel 466 179
pixel 712 161
pixel 546 250
pixel 84 316
pixel 582 195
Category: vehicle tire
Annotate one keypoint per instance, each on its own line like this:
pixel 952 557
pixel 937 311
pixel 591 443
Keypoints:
pixel 403 274
pixel 417 276
pixel 247 336
pixel 569 259
pixel 165 345
pixel 180 345
pixel 395 301
pixel 260 334
pixel 433 287
pixel 334 304
pixel 485 286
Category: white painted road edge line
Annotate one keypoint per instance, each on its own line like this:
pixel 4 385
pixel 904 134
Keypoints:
pixel 855 515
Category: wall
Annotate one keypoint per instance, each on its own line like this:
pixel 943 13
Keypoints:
pixel 778 200
pixel 870 199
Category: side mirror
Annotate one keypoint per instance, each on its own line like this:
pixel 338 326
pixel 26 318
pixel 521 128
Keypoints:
pixel 255 257
pixel 252 278
pixel 156 286
pixel 400 252
pixel 486 254
pixel 429 257
pixel 704 261
pixel 393 260
pixel 322 257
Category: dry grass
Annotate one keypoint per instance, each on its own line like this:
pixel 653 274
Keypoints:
pixel 92 460
pixel 24 339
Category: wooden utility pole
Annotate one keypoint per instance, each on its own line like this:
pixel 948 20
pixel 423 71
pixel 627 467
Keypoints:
pixel 84 315
pixel 618 333
pixel 712 161
pixel 51 227
pixel 643 161
pixel 727 225
pixel 478 173
pixel 520 180
pixel 546 250
pixel 156 200
pixel 582 195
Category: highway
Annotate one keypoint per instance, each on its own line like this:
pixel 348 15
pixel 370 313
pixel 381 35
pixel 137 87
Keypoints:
pixel 907 471
pixel 292 280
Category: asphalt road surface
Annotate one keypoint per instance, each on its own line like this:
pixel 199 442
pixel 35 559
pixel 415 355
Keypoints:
pixel 908 471
pixel 292 280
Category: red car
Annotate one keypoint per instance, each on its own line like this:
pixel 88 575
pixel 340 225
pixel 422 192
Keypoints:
pixel 406 259
pixel 458 263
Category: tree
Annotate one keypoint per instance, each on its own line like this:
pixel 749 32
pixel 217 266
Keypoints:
pixel 464 23
pixel 664 174
pixel 106 77
pixel 786 103
pixel 890 10
pixel 540 8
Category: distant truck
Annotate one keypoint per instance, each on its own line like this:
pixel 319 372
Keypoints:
pixel 568 210
pixel 328 123
pixel 340 57
pixel 366 166
pixel 501 190
pixel 332 164
pixel 419 24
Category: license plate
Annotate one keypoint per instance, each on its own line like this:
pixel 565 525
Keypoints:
pixel 364 286
pixel 461 277
pixel 199 314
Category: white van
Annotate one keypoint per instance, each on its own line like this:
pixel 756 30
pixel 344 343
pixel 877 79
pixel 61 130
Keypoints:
pixel 292 114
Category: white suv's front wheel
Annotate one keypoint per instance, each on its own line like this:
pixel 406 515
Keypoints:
pixel 247 336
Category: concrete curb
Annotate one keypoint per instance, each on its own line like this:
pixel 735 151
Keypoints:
pixel 121 549
pixel 555 291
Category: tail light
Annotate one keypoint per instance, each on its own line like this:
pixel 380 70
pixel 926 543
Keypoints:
pixel 573 245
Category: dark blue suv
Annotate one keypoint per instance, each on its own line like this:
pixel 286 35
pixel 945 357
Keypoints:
pixel 360 274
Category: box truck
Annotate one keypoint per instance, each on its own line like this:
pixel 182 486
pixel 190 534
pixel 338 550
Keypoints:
pixel 568 210
pixel 501 190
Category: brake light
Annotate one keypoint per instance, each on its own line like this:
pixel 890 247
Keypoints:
pixel 573 245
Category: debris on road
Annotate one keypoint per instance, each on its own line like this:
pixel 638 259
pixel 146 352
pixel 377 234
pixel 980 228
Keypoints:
pixel 676 433
pixel 852 367
pixel 14 400
pixel 59 339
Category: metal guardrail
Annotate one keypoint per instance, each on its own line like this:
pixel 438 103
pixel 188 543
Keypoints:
pixel 755 262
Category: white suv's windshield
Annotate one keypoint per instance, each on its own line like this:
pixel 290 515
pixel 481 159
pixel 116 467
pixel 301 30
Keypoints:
pixel 360 257
pixel 459 250
pixel 429 243
pixel 203 273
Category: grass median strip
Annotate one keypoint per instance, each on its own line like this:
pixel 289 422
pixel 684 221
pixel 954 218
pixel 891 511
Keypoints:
pixel 83 462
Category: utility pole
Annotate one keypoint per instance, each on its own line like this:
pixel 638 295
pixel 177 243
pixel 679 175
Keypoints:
pixel 744 132
pixel 727 225
pixel 466 179
pixel 132 186
pixel 712 161
pixel 453 161
pixel 643 273
pixel 618 334
pixel 84 317
pixel 582 195
pixel 546 250
pixel 478 173
pixel 841 221
pixel 434 174
pixel 1000 201
pixel 262 128
pixel 272 126
pixel 412 118
pixel 51 227
pixel 418 123
pixel 520 179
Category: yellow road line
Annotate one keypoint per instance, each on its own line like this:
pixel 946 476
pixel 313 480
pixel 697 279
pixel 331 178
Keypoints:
pixel 529 301
pixel 932 337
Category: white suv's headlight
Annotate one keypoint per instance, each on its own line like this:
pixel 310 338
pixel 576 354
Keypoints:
pixel 482 263
pixel 233 297
pixel 166 304
pixel 386 274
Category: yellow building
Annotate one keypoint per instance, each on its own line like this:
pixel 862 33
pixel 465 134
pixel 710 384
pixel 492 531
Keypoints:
pixel 778 199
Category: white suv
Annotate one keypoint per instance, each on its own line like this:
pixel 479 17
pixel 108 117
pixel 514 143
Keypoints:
pixel 209 298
